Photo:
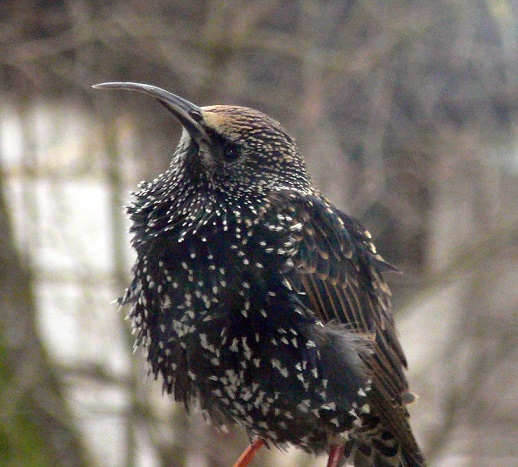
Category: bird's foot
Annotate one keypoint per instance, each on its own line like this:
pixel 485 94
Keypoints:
pixel 335 455
pixel 250 452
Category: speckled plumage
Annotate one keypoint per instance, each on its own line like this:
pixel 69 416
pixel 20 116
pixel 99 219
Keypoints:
pixel 259 300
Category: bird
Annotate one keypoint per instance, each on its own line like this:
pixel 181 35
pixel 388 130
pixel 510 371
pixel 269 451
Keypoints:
pixel 258 301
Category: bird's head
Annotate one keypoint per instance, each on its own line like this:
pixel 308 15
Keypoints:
pixel 235 150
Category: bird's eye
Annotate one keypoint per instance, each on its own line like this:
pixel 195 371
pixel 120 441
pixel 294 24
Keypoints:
pixel 231 153
pixel 196 115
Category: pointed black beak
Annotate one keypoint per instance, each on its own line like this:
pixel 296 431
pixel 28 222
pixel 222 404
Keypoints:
pixel 189 114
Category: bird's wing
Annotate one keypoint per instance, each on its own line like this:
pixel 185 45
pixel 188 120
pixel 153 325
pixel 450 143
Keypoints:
pixel 339 272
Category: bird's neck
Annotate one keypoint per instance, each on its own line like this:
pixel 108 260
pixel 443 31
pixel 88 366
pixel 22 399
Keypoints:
pixel 176 207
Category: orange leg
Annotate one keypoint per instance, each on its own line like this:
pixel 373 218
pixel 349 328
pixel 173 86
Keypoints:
pixel 335 455
pixel 249 453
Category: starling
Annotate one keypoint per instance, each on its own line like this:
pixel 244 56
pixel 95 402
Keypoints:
pixel 258 300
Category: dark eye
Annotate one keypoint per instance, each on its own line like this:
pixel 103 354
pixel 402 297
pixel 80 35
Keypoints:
pixel 196 115
pixel 231 152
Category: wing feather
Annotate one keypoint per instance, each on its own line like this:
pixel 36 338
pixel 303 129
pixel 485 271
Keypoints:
pixel 338 272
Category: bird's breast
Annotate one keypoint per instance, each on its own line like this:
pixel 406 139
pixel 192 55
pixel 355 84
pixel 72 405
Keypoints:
pixel 223 326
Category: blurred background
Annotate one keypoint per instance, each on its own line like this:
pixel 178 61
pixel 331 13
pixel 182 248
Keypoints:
pixel 407 113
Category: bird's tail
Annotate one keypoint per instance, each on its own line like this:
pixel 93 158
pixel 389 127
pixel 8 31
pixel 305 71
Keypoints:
pixel 375 446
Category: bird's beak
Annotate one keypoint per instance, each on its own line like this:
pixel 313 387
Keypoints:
pixel 189 114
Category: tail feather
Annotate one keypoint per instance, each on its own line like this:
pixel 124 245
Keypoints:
pixel 374 446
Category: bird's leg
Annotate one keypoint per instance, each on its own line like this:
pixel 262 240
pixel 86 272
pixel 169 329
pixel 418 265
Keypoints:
pixel 335 455
pixel 250 452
